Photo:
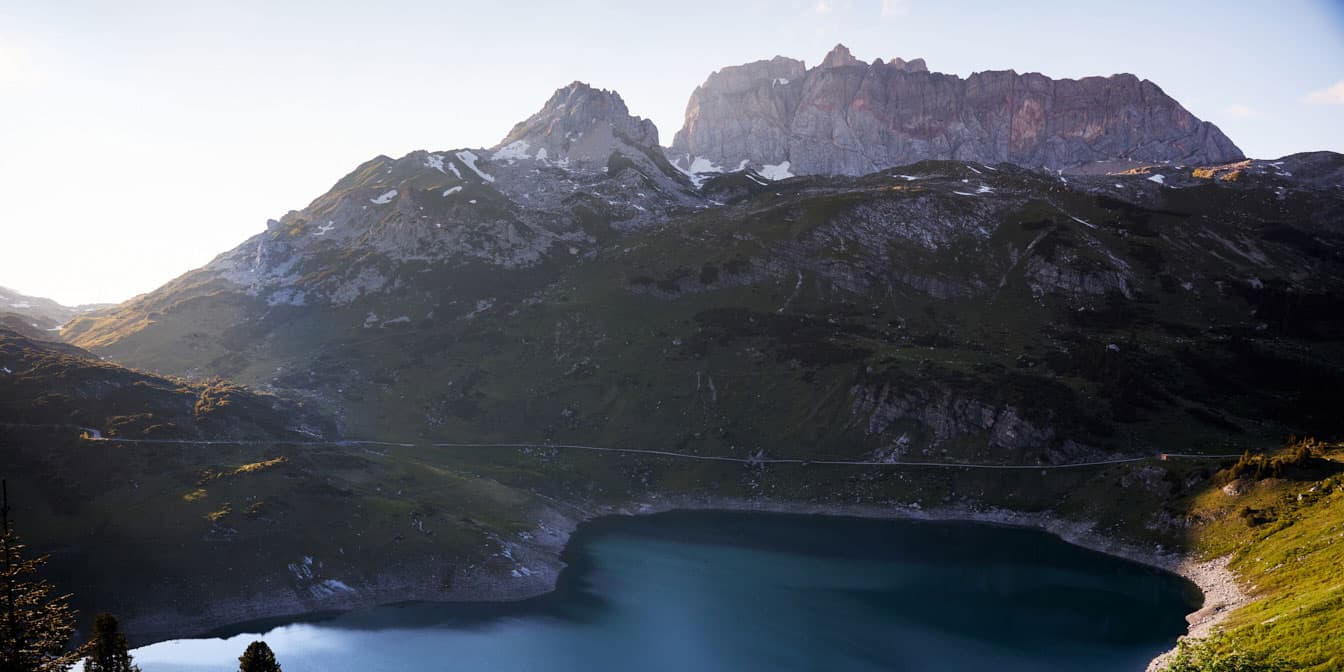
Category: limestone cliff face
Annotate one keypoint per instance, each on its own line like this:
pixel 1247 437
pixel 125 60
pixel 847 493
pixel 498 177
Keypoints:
pixel 849 117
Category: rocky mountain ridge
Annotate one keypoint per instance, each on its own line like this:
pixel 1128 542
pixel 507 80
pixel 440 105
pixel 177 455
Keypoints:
pixel 580 166
pixel 852 118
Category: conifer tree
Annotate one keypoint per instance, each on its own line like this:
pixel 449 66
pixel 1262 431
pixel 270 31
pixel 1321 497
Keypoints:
pixel 107 651
pixel 258 658
pixel 35 626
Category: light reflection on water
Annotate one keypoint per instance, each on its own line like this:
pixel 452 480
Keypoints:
pixel 727 591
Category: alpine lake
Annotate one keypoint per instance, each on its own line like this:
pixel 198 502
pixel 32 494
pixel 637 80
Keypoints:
pixel 720 591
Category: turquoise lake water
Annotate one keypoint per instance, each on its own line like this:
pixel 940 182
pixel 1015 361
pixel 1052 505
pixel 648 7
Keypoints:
pixel 711 591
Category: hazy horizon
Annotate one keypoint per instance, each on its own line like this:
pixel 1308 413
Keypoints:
pixel 147 138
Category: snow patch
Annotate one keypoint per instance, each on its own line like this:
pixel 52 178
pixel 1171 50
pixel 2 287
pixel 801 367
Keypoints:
pixel 450 192
pixel 781 81
pixel 512 152
pixel 703 165
pixel 777 171
pixel 453 167
pixel 908 178
pixel 325 228
pixel 435 161
pixel 984 189
pixel 469 158
pixel 699 165
pixel 1158 179
pixel 541 154
pixel 385 198
pixel 1083 222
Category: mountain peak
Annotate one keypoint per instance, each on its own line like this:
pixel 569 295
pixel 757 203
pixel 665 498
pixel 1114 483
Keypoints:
pixel 581 122
pixel 839 56
pixel 576 92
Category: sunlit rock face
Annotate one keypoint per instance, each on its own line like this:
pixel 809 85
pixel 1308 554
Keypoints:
pixel 848 117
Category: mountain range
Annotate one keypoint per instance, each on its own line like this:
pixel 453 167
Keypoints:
pixel 541 278
pixel 869 262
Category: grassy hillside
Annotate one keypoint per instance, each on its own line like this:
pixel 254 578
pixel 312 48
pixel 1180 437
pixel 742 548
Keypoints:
pixel 1285 532
pixel 55 384
pixel 147 529
pixel 163 531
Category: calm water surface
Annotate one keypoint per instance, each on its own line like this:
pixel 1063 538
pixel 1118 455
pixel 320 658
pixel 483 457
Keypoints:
pixel 710 591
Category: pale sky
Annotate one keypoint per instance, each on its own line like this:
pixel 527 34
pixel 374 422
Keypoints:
pixel 140 139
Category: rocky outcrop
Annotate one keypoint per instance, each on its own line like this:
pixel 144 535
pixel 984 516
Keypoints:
pixel 848 117
pixel 941 417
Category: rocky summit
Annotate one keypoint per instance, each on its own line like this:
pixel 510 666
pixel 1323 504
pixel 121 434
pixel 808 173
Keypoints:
pixel 580 123
pixel 848 117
